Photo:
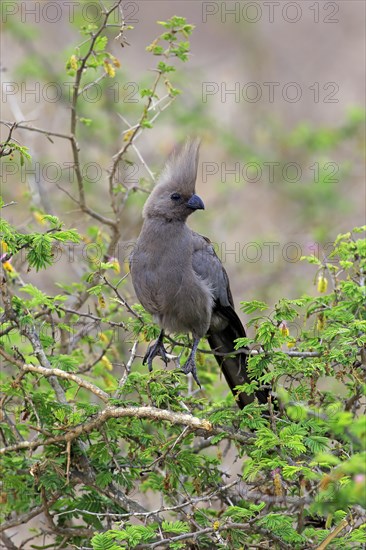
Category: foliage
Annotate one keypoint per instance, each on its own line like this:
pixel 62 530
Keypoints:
pixel 115 457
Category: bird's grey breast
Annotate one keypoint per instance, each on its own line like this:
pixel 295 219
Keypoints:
pixel 158 264
pixel 166 283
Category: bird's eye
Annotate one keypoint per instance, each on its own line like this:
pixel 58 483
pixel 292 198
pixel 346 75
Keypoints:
pixel 175 196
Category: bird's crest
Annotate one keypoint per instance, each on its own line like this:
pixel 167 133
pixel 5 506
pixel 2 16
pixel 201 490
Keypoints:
pixel 179 177
pixel 180 171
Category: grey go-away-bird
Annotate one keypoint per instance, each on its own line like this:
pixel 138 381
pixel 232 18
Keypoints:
pixel 179 279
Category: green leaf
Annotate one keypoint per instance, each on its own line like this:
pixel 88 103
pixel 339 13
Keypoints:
pixel 86 121
pixel 177 527
pixel 238 514
pixel 40 253
pixel 104 542
pixel 100 43
pixel 52 219
pixel 71 235
pixel 254 305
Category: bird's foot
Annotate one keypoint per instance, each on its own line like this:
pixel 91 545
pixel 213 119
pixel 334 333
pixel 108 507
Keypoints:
pixel 154 350
pixel 190 367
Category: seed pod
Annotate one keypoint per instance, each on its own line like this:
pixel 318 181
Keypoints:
pixel 284 329
pixel 322 283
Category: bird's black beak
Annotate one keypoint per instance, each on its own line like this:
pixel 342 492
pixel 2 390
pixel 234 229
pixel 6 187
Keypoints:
pixel 195 203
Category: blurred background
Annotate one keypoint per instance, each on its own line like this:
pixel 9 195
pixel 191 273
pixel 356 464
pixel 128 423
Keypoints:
pixel 276 92
pixel 274 89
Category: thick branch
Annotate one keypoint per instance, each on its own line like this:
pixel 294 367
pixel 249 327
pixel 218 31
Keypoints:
pixel 8 544
pixel 24 518
pixel 67 376
pixel 151 413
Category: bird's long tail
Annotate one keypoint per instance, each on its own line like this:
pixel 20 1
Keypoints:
pixel 234 368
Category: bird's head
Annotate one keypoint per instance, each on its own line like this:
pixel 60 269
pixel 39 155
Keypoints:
pixel 173 197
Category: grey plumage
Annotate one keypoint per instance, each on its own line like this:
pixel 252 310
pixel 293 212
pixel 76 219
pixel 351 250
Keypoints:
pixel 179 279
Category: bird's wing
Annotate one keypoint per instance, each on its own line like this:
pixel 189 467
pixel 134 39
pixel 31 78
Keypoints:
pixel 225 324
pixel 209 267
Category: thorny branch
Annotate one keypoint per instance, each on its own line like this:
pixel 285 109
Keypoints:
pixel 229 526
pixel 74 118
pixel 25 126
pixel 5 149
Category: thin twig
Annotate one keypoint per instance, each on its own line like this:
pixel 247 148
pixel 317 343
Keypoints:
pixel 24 126
pixel 333 535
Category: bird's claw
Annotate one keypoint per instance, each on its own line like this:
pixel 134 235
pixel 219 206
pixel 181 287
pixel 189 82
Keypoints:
pixel 152 352
pixel 190 367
